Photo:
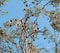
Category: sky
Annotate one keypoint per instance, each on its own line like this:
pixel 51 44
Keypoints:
pixel 15 10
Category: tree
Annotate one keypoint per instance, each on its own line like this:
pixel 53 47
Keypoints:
pixel 26 31
pixel 3 3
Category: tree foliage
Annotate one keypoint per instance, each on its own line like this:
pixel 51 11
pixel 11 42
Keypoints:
pixel 18 35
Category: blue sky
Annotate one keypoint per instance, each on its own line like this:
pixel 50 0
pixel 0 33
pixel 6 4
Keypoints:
pixel 15 10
